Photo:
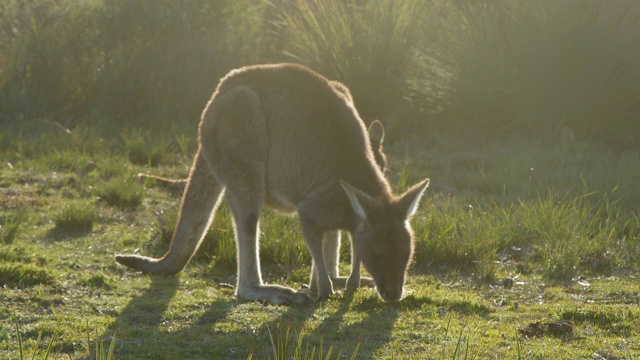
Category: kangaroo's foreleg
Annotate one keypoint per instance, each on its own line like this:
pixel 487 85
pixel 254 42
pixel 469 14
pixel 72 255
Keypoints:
pixel 353 281
pixel 313 236
pixel 331 252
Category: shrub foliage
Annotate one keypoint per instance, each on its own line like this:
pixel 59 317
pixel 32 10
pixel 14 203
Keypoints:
pixel 477 67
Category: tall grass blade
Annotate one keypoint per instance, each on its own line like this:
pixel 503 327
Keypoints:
pixel 20 345
pixel 50 346
pixel 355 352
pixel 112 347
pixel 36 348
pixel 458 344
pixel 88 333
pixel 444 342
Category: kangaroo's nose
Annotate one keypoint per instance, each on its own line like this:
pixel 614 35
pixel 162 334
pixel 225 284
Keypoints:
pixel 391 294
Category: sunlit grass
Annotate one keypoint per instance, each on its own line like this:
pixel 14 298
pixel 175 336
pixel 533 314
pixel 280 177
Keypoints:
pixel 40 352
pixel 286 345
pixel 24 275
pixel 76 218
pixel 565 210
pixel 531 215
pixel 10 226
pixel 124 193
pixel 143 149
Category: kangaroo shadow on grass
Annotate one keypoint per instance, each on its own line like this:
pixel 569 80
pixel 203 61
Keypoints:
pixel 370 322
pixel 369 329
pixel 144 327
pixel 147 328
pixel 148 308
pixel 142 313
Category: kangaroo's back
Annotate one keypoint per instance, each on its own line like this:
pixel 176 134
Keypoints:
pixel 309 132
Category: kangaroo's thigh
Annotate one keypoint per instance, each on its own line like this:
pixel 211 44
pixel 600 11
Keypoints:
pixel 233 131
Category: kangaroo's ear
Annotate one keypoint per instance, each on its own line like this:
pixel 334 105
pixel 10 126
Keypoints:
pixel 376 137
pixel 361 203
pixel 408 203
pixel 376 134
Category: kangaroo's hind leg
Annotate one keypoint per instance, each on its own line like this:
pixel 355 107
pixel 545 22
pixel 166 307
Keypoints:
pixel 245 211
pixel 245 197
pixel 235 143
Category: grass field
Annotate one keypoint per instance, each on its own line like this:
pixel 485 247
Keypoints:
pixel 526 249
pixel 524 114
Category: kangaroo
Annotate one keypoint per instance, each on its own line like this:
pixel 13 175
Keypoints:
pixel 331 242
pixel 284 136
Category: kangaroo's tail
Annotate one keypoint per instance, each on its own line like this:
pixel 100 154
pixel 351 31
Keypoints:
pixel 175 186
pixel 199 203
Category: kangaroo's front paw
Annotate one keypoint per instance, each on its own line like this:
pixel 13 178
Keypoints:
pixel 367 282
pixel 325 296
pixel 353 283
pixel 340 282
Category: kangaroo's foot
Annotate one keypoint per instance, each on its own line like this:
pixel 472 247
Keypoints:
pixel 274 294
pixel 340 282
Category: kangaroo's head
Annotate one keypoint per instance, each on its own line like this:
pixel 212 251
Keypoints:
pixel 383 238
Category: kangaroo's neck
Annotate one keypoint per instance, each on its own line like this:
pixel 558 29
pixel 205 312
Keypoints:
pixel 370 180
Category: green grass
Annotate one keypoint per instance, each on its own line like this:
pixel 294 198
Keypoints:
pixel 124 193
pixel 502 250
pixel 10 227
pixel 143 150
pixel 76 218
pixel 523 114
pixel 282 340
pixel 39 352
pixel 19 275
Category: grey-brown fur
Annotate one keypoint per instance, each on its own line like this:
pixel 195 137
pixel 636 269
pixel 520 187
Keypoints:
pixel 331 241
pixel 284 136
pixel 376 138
